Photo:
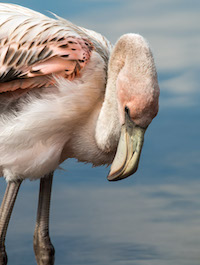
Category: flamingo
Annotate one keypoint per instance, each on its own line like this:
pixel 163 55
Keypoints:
pixel 66 92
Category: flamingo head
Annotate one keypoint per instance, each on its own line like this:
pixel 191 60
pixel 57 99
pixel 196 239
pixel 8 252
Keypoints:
pixel 137 97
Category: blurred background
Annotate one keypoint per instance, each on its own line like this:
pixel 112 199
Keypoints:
pixel 153 217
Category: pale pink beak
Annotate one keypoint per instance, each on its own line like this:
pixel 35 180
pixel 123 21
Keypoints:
pixel 128 152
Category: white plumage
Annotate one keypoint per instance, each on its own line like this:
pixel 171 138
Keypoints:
pixel 34 136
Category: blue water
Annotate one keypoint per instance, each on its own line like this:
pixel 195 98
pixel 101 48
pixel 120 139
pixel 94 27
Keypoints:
pixel 153 217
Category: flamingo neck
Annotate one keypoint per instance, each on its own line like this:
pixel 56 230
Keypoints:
pixel 132 82
pixel 108 124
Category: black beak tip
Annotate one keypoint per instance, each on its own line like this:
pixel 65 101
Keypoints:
pixel 113 179
pixel 117 177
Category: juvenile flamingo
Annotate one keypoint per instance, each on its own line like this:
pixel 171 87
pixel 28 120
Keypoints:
pixel 66 92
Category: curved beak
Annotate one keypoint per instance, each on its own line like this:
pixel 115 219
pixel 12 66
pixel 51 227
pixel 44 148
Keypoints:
pixel 128 152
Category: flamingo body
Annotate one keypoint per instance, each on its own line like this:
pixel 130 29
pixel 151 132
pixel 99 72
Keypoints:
pixel 66 92
pixel 36 126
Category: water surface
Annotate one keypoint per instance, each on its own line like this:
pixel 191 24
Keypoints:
pixel 152 218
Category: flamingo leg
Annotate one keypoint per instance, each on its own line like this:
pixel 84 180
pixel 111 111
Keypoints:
pixel 44 250
pixel 5 213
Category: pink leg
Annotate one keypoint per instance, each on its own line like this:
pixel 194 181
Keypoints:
pixel 44 250
pixel 5 213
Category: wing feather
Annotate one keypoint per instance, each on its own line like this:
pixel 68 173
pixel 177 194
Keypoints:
pixel 36 46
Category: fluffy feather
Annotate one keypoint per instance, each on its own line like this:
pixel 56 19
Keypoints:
pixel 34 137
pixel 80 117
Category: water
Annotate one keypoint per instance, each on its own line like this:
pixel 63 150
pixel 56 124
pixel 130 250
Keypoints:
pixel 153 217
pixel 99 223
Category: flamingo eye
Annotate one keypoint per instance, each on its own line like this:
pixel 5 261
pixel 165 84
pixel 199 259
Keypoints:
pixel 126 109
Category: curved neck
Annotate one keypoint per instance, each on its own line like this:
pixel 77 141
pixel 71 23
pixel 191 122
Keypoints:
pixel 132 82
pixel 108 125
